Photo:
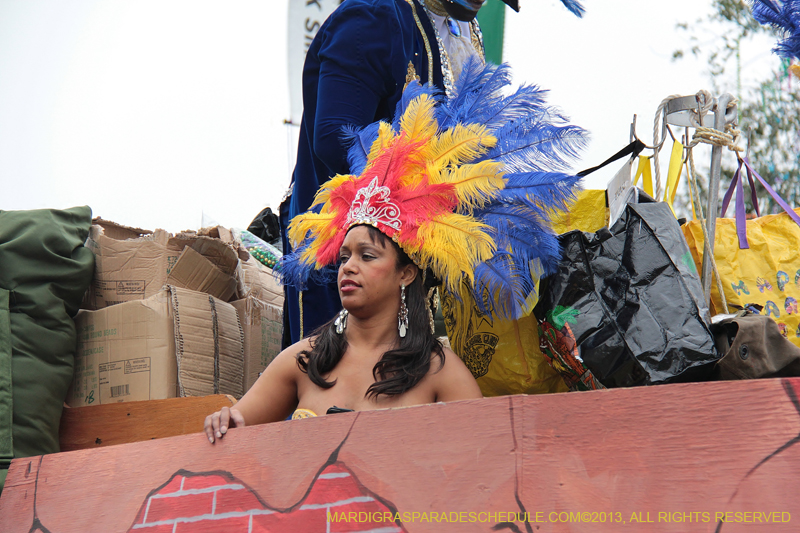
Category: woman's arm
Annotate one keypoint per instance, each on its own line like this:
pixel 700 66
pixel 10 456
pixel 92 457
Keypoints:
pixel 454 381
pixel 271 398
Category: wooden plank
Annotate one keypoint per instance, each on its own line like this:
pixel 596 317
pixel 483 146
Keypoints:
pixel 672 458
pixel 121 423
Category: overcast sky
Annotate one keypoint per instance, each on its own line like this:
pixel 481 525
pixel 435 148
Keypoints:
pixel 156 113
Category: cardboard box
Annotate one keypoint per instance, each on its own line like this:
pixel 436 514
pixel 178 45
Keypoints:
pixel 177 342
pixel 125 353
pixel 262 324
pixel 195 272
pixel 134 264
pixel 259 282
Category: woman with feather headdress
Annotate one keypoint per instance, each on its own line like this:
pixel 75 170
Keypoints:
pixel 355 71
pixel 454 190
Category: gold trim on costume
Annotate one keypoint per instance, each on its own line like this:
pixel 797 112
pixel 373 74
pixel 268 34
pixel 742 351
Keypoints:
pixel 300 304
pixel 424 39
pixel 411 75
pixel 436 7
pixel 476 39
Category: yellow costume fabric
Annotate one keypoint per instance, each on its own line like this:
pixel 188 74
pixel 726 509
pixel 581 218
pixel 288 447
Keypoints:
pixel 303 413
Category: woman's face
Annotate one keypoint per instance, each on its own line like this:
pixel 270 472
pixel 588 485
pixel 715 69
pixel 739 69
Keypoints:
pixel 368 272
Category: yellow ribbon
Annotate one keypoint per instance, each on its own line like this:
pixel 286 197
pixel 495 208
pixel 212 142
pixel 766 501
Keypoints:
pixel 647 176
pixel 674 174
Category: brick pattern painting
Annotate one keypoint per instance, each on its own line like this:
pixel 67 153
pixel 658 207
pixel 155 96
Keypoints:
pixel 708 449
pixel 214 502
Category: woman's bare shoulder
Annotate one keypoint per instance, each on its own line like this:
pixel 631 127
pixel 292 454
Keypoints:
pixel 285 363
pixel 453 381
pixel 291 353
pixel 274 394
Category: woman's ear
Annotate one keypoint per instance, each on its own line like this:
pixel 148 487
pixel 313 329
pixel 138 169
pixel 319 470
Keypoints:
pixel 408 274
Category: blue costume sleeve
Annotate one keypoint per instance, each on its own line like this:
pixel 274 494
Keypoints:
pixel 356 74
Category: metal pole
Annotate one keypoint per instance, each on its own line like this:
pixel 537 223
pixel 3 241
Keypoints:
pixel 713 192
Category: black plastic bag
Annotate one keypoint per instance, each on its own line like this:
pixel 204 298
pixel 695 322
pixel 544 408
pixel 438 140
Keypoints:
pixel 266 227
pixel 626 306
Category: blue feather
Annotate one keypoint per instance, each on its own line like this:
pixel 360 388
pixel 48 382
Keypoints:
pixel 537 145
pixel 575 7
pixel 359 142
pixel 785 17
pixel 508 278
pixel 523 233
pixel 527 102
pixel 553 190
pixel 293 272
pixel 476 91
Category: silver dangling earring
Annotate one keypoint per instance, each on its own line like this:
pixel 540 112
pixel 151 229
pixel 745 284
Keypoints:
pixel 341 321
pixel 402 316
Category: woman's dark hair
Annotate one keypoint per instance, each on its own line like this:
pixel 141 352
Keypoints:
pixel 398 370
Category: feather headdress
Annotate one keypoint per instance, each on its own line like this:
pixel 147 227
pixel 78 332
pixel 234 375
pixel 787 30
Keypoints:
pixel 785 17
pixel 465 186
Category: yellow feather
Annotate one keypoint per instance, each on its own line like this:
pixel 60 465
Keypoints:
pixel 418 121
pixel 317 223
pixel 309 255
pixel 462 143
pixel 385 137
pixel 459 244
pixel 324 192
pixel 476 184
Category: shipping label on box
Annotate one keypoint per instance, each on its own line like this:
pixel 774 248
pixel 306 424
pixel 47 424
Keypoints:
pixel 121 379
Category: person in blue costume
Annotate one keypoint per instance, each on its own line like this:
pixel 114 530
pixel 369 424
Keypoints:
pixel 355 71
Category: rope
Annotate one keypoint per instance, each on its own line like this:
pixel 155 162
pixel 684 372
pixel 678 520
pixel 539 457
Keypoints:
pixel 661 114
pixel 730 138
pixel 705 101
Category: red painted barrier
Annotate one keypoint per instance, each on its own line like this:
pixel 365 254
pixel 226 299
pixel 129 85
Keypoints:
pixel 706 457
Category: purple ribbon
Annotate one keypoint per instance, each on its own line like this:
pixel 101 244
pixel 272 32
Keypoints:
pixel 741 219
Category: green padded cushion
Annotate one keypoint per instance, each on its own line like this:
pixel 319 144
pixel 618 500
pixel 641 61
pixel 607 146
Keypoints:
pixel 44 273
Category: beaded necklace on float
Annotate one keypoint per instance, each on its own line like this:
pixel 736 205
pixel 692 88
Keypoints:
pixel 434 7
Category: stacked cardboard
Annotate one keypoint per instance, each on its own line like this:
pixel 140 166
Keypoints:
pixel 260 283
pixel 262 325
pixel 133 264
pixel 158 322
